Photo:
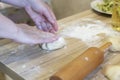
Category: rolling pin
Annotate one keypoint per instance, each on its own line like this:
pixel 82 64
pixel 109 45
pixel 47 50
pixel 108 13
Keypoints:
pixel 83 65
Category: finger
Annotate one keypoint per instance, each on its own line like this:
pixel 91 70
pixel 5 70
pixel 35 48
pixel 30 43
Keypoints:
pixel 31 13
pixel 55 26
pixel 35 17
pixel 39 27
pixel 44 26
pixel 51 18
pixel 51 12
pixel 55 23
pixel 50 28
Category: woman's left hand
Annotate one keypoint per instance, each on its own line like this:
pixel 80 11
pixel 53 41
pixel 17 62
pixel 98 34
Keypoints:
pixel 40 13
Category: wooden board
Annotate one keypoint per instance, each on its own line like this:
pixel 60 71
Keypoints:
pixel 29 61
pixel 21 61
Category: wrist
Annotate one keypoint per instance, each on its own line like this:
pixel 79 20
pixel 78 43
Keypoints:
pixel 17 3
pixel 10 34
pixel 3 0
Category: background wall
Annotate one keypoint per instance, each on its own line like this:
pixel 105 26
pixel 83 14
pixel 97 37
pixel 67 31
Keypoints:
pixel 61 8
pixel 64 8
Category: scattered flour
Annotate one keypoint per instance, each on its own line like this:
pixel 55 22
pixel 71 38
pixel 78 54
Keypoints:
pixel 88 30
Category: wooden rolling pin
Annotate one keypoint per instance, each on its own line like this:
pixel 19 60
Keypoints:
pixel 80 67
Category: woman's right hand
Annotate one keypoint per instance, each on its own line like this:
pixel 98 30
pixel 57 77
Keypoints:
pixel 23 33
pixel 31 35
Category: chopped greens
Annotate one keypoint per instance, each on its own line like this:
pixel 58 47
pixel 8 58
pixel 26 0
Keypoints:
pixel 106 6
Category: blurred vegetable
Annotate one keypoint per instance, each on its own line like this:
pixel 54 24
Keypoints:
pixel 106 6
pixel 106 1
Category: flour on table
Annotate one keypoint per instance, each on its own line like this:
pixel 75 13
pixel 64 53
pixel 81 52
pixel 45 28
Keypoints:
pixel 88 30
pixel 54 45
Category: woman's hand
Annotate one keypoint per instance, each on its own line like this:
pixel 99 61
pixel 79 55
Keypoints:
pixel 23 33
pixel 40 13
pixel 31 35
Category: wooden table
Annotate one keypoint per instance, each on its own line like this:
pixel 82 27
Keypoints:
pixel 23 62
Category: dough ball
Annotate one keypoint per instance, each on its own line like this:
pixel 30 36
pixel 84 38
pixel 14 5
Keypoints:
pixel 112 67
pixel 115 43
pixel 54 45
pixel 113 72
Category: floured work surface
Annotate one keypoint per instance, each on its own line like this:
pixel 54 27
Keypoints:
pixel 32 63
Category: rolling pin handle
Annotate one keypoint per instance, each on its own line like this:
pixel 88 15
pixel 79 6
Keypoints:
pixel 105 47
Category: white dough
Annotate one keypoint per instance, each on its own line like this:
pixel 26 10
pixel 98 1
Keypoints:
pixel 115 43
pixel 54 45
pixel 113 72
pixel 111 68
